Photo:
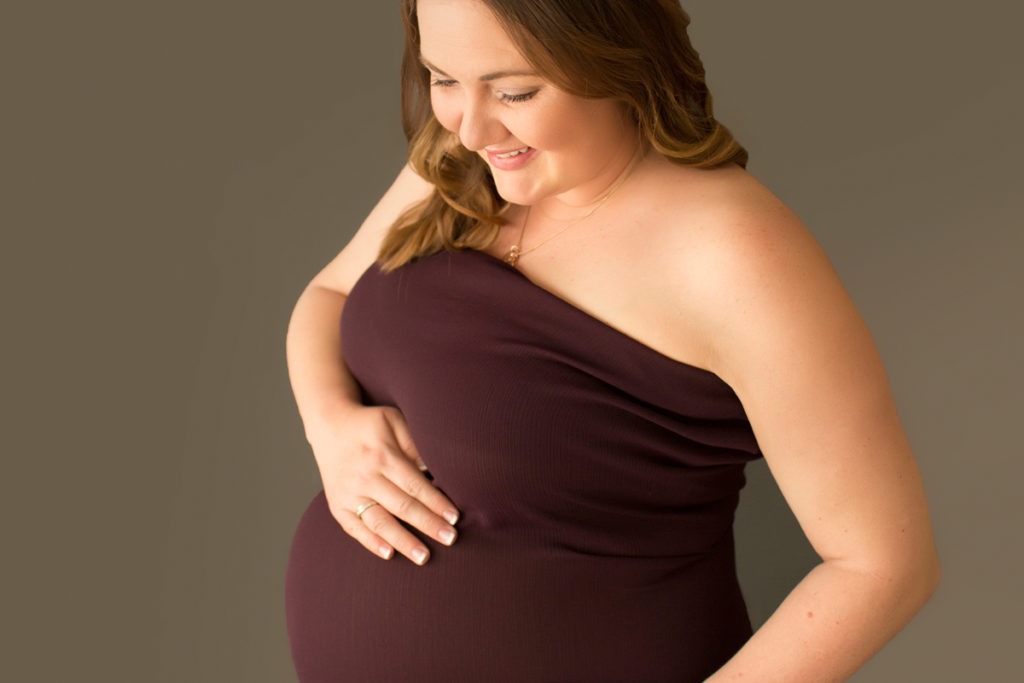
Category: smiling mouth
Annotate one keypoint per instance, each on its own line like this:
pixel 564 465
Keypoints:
pixel 513 153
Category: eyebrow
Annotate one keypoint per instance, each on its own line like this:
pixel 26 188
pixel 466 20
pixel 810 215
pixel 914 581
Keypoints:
pixel 486 77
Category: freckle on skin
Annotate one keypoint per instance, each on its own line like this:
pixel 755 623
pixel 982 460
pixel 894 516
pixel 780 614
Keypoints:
pixel 810 615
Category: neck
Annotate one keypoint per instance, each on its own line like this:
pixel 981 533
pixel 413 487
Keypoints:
pixel 577 202
pixel 518 249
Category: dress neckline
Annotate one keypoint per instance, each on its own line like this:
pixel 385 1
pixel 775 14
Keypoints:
pixel 579 311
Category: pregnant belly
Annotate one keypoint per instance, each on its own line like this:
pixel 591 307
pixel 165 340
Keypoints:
pixel 502 605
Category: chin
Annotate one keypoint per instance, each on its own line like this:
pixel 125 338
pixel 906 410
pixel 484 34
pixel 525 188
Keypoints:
pixel 515 193
pixel 514 198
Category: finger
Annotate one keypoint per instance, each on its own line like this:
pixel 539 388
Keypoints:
pixel 400 430
pixel 354 527
pixel 380 523
pixel 410 510
pixel 407 478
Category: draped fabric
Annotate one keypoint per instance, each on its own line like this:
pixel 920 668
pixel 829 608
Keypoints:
pixel 596 478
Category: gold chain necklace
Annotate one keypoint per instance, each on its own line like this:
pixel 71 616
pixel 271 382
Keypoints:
pixel 512 257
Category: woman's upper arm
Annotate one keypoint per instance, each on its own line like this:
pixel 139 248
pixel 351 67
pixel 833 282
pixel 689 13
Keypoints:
pixel 787 337
pixel 352 261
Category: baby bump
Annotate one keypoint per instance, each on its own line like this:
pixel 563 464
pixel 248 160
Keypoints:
pixel 501 607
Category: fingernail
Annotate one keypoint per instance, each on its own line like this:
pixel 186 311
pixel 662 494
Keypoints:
pixel 447 536
pixel 421 465
pixel 385 552
pixel 451 516
pixel 419 556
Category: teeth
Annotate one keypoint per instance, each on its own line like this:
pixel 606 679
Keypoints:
pixel 514 153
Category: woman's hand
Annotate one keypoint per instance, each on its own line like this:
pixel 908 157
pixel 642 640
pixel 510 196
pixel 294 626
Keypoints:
pixel 367 460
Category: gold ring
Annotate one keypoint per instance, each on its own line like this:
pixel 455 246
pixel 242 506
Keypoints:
pixel 364 507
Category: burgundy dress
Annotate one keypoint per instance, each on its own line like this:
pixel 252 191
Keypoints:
pixel 596 479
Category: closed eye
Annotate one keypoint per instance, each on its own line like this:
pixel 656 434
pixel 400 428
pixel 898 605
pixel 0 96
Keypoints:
pixel 511 98
pixel 519 97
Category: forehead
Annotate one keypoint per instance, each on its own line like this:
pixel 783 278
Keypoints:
pixel 465 36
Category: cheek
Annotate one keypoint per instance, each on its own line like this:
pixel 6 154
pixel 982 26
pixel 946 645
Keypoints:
pixel 585 129
pixel 553 129
pixel 445 113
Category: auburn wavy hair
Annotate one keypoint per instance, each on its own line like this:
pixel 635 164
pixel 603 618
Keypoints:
pixel 635 51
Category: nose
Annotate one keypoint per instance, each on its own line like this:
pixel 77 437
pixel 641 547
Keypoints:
pixel 479 127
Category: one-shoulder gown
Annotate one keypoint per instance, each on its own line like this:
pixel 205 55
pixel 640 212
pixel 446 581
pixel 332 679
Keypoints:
pixel 596 479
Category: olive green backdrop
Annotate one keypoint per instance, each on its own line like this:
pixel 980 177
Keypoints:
pixel 175 173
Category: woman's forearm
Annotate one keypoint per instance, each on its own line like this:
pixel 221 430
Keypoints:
pixel 321 382
pixel 832 622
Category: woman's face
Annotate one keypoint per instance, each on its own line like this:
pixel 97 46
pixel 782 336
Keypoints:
pixel 539 141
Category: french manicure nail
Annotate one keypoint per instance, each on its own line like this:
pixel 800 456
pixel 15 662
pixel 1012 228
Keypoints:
pixel 447 536
pixel 419 556
pixel 385 552
pixel 451 516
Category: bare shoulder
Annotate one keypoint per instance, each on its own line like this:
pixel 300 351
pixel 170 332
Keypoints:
pixel 727 213
pixel 748 272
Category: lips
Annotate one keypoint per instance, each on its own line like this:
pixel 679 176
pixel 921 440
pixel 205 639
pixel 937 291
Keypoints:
pixel 513 153
pixel 511 159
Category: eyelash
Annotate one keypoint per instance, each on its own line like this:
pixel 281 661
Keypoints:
pixel 521 97
pixel 504 97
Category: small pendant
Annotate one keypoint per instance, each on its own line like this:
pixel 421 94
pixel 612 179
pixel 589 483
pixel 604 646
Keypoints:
pixel 512 256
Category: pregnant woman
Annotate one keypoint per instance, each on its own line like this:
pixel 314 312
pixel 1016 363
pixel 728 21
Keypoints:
pixel 532 379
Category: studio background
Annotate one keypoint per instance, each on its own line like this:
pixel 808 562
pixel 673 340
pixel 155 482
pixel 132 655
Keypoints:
pixel 175 173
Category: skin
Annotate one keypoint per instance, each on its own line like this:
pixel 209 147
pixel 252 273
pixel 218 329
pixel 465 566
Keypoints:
pixel 584 145
pixel 712 269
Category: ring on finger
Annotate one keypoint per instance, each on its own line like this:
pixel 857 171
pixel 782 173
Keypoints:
pixel 364 507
